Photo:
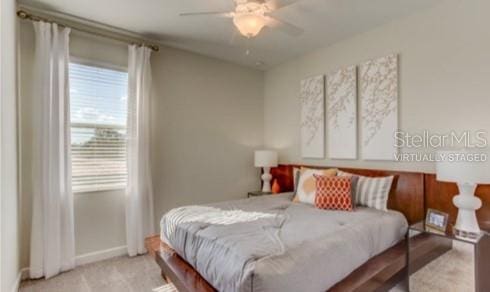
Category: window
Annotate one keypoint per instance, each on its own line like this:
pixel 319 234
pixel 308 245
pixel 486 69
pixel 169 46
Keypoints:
pixel 98 101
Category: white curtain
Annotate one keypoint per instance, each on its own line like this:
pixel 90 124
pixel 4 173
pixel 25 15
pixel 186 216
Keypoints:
pixel 52 235
pixel 139 195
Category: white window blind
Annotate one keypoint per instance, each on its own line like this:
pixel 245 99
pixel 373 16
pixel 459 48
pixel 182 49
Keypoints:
pixel 98 107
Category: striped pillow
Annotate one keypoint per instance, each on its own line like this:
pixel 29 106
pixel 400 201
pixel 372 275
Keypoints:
pixel 296 173
pixel 372 192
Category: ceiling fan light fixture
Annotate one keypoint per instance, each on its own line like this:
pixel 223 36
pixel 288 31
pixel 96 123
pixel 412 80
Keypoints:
pixel 249 24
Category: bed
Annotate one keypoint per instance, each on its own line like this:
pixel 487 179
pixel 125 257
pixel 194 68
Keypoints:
pixel 278 245
pixel 270 243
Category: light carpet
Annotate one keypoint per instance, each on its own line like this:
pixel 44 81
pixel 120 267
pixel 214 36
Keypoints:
pixel 453 271
pixel 119 274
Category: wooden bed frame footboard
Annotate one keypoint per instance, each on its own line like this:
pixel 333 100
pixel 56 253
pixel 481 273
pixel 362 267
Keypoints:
pixel 175 269
pixel 380 273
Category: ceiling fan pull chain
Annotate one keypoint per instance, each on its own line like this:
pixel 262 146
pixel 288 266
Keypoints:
pixel 247 52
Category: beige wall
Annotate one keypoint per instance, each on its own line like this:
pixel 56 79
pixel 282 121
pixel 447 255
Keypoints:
pixel 9 223
pixel 444 77
pixel 207 118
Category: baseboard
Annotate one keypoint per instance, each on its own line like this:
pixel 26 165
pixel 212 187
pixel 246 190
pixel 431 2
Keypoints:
pixel 100 255
pixel 20 276
pixel 82 259
pixel 15 286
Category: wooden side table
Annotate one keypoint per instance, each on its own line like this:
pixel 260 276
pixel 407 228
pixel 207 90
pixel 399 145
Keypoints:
pixel 257 194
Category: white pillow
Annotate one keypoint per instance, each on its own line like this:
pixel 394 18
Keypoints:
pixel 306 190
pixel 372 192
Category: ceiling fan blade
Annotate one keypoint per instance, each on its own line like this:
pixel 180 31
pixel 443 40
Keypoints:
pixel 210 13
pixel 279 4
pixel 287 28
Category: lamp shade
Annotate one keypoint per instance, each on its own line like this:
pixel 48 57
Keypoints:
pixel 249 24
pixel 265 158
pixel 455 166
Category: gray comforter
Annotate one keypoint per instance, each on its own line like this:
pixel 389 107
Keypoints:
pixel 269 243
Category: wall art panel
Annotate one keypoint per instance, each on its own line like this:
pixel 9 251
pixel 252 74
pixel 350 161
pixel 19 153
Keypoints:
pixel 342 114
pixel 379 107
pixel 312 117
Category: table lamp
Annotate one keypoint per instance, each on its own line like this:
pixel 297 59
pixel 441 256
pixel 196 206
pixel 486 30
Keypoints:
pixel 466 174
pixel 266 159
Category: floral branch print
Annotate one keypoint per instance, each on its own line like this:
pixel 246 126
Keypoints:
pixel 341 92
pixel 378 88
pixel 311 98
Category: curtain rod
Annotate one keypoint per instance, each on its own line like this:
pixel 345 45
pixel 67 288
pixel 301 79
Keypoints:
pixel 28 16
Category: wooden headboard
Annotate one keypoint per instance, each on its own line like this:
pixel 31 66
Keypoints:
pixel 406 194
pixel 412 193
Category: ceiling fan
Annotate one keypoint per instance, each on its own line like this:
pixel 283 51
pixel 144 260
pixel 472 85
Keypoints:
pixel 250 16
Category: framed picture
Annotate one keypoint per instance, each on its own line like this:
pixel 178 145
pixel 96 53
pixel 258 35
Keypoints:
pixel 436 220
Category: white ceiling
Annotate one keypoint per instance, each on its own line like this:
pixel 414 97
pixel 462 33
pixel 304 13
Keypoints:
pixel 324 22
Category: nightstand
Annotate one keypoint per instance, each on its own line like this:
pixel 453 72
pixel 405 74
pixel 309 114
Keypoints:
pixel 257 194
pixel 440 251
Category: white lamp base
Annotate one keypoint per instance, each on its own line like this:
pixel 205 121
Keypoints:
pixel 266 180
pixel 466 224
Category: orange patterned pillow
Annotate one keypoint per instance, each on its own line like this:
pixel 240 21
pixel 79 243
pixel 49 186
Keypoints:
pixel 333 193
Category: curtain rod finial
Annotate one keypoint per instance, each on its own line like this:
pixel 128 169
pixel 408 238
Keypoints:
pixel 155 48
pixel 22 14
